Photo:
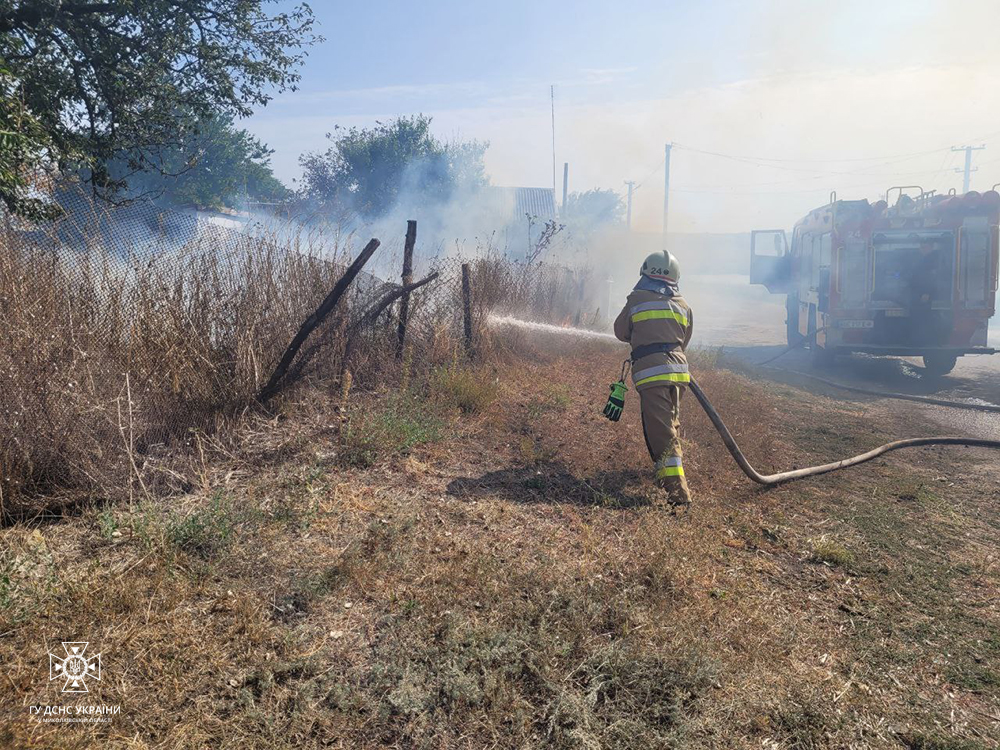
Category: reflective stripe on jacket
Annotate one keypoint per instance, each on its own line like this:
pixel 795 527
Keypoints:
pixel 653 318
pixel 670 373
pixel 659 310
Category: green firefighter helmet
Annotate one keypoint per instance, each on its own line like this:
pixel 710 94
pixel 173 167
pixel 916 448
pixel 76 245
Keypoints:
pixel 661 266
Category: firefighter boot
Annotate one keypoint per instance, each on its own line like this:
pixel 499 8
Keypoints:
pixel 670 478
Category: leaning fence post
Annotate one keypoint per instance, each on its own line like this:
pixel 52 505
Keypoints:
pixel 467 306
pixel 310 323
pixel 404 303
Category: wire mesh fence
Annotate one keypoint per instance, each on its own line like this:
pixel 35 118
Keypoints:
pixel 127 328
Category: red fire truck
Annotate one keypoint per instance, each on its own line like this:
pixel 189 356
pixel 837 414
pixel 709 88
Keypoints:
pixel 917 278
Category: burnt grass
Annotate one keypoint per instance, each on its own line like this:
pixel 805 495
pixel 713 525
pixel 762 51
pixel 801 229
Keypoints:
pixel 498 573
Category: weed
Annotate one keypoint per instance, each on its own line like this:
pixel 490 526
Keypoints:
pixel 307 589
pixel 206 531
pixel 975 678
pixel 393 428
pixel 830 552
pixel 6 591
pixel 554 397
pixel 470 390
pixel 107 523
pixel 533 452
pixel 804 726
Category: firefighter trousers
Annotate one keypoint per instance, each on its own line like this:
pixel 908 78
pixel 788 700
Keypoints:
pixel 661 427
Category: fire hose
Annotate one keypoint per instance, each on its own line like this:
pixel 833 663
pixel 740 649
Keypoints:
pixel 616 403
pixel 812 471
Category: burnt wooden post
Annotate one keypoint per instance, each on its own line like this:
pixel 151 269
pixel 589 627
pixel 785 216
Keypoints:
pixel 404 303
pixel 467 306
pixel 310 323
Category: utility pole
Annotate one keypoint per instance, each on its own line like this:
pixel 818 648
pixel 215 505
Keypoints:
pixel 628 211
pixel 666 190
pixel 968 170
pixel 565 183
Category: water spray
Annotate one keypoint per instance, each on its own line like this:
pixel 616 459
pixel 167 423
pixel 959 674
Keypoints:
pixel 730 441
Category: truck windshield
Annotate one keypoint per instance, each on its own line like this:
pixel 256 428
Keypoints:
pixel 911 269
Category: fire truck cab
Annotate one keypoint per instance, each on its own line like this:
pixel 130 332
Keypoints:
pixel 918 278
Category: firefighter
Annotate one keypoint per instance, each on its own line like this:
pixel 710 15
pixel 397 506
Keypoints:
pixel 657 322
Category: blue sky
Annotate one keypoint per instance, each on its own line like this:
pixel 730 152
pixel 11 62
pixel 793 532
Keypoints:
pixel 810 82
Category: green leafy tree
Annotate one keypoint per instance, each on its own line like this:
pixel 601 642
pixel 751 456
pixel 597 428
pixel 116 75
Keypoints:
pixel 372 170
pixel 215 168
pixel 592 209
pixel 24 149
pixel 134 79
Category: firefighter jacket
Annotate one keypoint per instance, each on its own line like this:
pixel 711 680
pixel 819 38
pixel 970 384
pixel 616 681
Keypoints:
pixel 657 322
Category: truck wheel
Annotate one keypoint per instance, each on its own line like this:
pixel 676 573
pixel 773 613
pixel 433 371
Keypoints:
pixel 938 363
pixel 792 320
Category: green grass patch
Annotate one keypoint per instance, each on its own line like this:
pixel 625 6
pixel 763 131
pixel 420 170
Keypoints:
pixel 206 531
pixel 472 391
pixel 550 398
pixel 392 428
pixel 107 523
pixel 831 552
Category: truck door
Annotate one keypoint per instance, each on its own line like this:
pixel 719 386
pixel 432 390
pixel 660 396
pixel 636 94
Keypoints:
pixel 770 263
pixel 975 255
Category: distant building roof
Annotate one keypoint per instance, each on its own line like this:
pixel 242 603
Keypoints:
pixel 510 204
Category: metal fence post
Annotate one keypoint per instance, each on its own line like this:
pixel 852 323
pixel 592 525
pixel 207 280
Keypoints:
pixel 404 303
pixel 467 306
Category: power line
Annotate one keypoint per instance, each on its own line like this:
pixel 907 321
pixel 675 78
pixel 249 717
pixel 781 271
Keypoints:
pixel 727 190
pixel 813 173
pixel 891 176
pixel 653 171
pixel 827 160
pixel 809 170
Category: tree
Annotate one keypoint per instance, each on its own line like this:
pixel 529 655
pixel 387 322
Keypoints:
pixel 590 210
pixel 24 145
pixel 372 170
pixel 215 168
pixel 134 79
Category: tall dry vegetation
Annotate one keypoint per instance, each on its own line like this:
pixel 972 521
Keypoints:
pixel 114 361
pixel 107 355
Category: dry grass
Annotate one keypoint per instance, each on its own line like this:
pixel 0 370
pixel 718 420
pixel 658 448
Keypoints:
pixel 108 360
pixel 458 593
pixel 118 362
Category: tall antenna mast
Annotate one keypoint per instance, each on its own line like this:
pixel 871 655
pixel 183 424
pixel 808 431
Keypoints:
pixel 552 94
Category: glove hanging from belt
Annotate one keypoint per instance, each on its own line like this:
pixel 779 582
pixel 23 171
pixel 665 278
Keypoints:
pixel 616 401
